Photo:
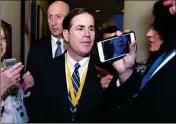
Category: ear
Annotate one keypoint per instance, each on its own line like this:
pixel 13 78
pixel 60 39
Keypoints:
pixel 65 35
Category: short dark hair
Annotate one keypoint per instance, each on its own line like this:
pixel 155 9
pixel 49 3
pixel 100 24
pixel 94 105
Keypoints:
pixel 110 29
pixel 164 23
pixel 66 24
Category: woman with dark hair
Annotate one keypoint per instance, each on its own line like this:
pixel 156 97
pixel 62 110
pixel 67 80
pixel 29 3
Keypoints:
pixel 150 97
pixel 12 93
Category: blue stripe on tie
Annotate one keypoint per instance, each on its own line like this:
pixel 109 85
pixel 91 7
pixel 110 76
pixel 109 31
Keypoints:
pixel 72 107
pixel 77 76
pixel 75 87
pixel 75 82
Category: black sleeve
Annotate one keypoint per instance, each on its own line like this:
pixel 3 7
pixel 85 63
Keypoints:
pixel 30 58
pixel 123 94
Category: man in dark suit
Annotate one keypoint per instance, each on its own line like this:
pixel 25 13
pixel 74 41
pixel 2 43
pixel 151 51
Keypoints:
pixel 42 51
pixel 72 90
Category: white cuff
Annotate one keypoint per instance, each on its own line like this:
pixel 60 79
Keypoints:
pixel 27 94
pixel 118 83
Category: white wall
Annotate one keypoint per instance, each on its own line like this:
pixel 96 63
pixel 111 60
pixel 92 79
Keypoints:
pixel 136 18
pixel 11 13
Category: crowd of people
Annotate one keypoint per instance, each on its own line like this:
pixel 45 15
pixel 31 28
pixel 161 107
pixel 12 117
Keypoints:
pixel 68 86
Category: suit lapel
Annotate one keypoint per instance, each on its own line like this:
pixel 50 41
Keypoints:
pixel 86 102
pixel 48 48
pixel 60 88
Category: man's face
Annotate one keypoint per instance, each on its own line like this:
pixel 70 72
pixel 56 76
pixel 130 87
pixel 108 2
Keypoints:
pixel 3 43
pixel 81 35
pixel 56 14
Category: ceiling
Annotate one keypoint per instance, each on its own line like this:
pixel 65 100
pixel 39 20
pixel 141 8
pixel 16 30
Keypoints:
pixel 107 7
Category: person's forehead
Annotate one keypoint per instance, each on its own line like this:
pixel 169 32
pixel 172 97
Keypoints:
pixel 58 8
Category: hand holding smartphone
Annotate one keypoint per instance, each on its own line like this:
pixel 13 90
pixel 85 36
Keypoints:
pixel 115 47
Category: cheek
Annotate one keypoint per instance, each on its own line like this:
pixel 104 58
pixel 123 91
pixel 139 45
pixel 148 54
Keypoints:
pixel 59 22
pixel 4 46
pixel 92 35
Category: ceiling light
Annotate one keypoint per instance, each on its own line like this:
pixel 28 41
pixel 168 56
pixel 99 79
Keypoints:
pixel 97 10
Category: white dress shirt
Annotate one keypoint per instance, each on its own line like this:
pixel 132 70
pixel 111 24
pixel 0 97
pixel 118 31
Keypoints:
pixel 54 45
pixel 71 63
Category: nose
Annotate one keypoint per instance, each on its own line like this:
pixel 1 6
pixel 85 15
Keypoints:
pixel 149 33
pixel 54 22
pixel 87 33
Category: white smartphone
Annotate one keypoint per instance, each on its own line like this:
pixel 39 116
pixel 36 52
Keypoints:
pixel 115 47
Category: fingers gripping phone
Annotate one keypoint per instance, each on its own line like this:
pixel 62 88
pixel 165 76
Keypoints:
pixel 115 47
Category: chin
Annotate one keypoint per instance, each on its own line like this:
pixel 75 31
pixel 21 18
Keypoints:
pixel 85 53
pixel 153 50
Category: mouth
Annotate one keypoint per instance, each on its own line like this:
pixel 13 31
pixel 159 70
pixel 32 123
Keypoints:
pixel 86 43
pixel 54 29
pixel 150 42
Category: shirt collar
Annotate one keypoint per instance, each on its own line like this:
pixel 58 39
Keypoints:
pixel 54 40
pixel 72 62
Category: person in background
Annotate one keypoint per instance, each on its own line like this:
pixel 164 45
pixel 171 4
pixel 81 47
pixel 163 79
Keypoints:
pixel 42 51
pixel 12 93
pixel 108 32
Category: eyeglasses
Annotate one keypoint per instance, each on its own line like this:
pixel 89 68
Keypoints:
pixel 3 38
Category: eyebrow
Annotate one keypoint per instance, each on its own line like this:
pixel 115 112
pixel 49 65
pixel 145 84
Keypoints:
pixel 82 26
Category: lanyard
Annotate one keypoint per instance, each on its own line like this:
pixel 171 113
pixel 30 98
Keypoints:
pixel 74 98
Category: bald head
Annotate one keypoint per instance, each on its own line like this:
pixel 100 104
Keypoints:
pixel 56 13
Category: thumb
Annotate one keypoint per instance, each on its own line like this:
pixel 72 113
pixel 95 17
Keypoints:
pixel 132 48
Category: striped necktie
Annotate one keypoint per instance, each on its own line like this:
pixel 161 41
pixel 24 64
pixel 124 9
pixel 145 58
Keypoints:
pixel 76 83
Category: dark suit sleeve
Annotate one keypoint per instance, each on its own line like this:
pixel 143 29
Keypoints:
pixel 124 93
pixel 36 104
pixel 31 58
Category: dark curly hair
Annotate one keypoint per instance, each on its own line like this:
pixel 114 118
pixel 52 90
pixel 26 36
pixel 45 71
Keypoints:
pixel 164 24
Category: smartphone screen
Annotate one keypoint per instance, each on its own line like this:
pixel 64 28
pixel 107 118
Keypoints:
pixel 115 47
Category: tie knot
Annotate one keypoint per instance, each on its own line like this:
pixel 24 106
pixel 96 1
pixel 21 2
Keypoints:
pixel 58 43
pixel 77 65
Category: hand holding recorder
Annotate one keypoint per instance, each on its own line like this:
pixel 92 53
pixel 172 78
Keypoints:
pixel 9 76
